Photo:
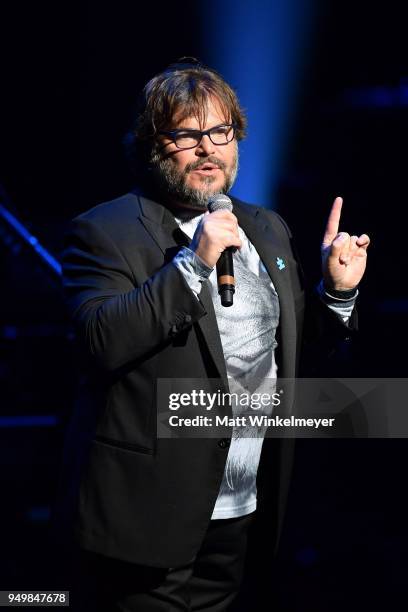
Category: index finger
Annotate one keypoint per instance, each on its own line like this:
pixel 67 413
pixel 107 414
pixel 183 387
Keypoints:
pixel 224 212
pixel 333 222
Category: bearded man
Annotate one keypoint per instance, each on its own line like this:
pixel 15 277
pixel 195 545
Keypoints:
pixel 162 524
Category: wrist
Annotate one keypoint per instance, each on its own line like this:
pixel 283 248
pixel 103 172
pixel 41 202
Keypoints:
pixel 203 258
pixel 339 294
pixel 197 263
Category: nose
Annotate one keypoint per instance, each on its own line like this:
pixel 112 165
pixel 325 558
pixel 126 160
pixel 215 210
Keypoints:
pixel 206 145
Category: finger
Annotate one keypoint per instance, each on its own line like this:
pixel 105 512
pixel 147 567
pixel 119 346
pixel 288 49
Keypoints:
pixel 223 224
pixel 231 239
pixel 223 213
pixel 345 255
pixel 333 222
pixel 363 241
pixel 340 247
pixel 353 248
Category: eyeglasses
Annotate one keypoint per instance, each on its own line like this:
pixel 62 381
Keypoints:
pixel 188 139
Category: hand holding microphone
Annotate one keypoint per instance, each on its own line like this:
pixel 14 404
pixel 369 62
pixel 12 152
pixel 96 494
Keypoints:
pixel 215 240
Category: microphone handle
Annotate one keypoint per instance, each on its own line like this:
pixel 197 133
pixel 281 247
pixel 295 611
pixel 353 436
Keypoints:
pixel 225 277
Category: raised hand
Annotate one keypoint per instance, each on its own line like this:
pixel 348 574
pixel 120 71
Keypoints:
pixel 344 257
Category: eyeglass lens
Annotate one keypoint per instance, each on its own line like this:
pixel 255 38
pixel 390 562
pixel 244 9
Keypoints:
pixel 219 135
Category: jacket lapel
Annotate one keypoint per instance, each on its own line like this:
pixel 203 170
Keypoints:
pixel 159 223
pixel 265 239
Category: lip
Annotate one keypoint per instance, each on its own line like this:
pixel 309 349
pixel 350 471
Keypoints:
pixel 207 171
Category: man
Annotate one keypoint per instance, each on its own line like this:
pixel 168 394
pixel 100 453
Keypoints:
pixel 162 524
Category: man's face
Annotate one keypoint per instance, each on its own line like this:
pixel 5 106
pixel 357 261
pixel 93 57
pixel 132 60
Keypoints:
pixel 191 176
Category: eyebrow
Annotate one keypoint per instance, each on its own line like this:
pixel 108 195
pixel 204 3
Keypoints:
pixel 186 129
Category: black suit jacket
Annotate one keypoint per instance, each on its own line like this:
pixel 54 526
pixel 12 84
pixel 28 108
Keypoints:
pixel 127 494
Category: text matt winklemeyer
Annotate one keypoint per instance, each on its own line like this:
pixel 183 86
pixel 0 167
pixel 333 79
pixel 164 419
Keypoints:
pixel 255 420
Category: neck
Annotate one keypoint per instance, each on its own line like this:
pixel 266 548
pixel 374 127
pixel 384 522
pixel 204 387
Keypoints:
pixel 181 212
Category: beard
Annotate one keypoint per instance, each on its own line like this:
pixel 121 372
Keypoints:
pixel 172 183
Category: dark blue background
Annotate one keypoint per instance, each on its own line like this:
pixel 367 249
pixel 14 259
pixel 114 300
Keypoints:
pixel 326 93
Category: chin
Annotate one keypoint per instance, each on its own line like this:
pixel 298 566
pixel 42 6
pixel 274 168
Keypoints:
pixel 206 185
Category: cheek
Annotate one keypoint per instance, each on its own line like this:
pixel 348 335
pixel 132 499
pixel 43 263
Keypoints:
pixel 232 155
pixel 181 160
pixel 228 156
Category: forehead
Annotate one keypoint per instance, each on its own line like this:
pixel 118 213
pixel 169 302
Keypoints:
pixel 212 113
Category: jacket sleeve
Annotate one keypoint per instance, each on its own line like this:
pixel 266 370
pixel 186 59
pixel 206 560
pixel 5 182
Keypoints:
pixel 118 321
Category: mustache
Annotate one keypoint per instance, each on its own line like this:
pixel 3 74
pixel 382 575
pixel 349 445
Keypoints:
pixel 208 160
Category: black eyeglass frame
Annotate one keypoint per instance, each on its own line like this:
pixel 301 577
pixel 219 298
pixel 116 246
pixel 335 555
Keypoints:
pixel 173 134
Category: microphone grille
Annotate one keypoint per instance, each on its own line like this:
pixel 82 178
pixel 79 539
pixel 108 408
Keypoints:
pixel 219 201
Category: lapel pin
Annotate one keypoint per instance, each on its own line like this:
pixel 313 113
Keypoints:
pixel 280 263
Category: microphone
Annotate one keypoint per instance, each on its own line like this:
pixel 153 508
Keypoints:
pixel 225 266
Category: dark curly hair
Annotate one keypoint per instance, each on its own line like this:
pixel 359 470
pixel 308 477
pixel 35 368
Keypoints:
pixel 183 88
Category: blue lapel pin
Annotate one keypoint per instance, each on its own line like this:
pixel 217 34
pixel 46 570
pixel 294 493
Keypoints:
pixel 280 263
